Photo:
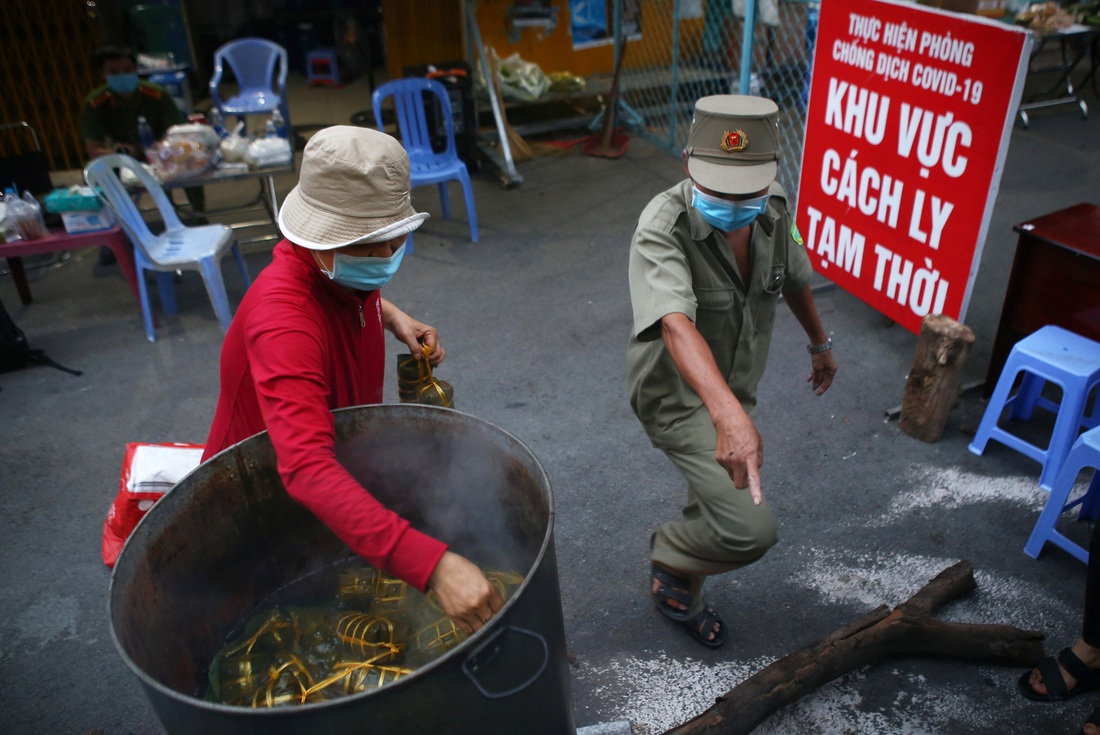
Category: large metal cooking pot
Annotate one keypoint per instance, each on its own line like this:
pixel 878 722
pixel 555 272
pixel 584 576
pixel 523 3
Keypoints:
pixel 227 536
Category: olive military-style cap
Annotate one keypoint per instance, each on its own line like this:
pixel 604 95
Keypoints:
pixel 733 146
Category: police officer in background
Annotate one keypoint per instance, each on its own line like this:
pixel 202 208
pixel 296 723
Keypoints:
pixel 109 122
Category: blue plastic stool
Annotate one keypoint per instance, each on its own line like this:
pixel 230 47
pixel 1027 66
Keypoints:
pixel 1050 354
pixel 322 68
pixel 1085 453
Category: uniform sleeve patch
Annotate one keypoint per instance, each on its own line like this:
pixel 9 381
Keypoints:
pixel 96 100
pixel 796 234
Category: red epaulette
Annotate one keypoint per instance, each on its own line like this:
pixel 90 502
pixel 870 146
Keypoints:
pixel 151 90
pixel 99 97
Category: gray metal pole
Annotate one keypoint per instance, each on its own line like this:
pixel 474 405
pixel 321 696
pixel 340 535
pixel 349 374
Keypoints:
pixel 512 177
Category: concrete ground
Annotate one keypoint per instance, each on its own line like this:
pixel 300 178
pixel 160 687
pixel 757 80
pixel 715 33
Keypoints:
pixel 535 318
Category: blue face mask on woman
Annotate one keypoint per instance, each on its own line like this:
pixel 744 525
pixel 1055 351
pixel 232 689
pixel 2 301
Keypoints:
pixel 724 215
pixel 123 83
pixel 365 274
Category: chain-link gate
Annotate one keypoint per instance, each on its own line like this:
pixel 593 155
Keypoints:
pixel 692 48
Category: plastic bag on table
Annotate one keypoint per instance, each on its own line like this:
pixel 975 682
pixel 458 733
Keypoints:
pixel 521 80
pixel 196 133
pixel 566 82
pixel 179 158
pixel 23 216
pixel 234 145
pixel 1044 18
pixel 270 151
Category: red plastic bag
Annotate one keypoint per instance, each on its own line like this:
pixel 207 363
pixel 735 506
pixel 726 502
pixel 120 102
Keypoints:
pixel 148 472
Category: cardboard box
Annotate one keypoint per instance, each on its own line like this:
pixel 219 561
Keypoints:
pixel 985 8
pixel 88 220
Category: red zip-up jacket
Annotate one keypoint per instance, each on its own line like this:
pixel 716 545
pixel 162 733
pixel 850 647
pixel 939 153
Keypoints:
pixel 300 346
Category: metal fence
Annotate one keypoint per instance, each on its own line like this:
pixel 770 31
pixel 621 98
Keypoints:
pixel 680 50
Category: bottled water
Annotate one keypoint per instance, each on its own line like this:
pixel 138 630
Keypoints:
pixel 279 123
pixel 145 133
pixel 217 121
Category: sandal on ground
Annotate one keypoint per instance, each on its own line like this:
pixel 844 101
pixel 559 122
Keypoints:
pixel 1087 679
pixel 702 626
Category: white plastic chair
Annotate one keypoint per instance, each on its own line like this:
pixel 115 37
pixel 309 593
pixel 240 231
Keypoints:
pixel 177 248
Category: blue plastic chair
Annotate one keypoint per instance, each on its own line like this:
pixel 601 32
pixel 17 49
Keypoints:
pixel 1055 355
pixel 1084 454
pixel 177 248
pixel 260 67
pixel 428 166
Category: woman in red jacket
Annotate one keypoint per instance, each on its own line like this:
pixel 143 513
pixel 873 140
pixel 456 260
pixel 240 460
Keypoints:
pixel 308 338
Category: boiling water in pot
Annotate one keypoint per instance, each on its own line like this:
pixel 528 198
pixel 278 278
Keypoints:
pixel 346 630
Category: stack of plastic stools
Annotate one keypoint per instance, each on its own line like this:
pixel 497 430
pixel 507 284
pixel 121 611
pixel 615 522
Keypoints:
pixel 321 67
pixel 1054 355
pixel 1085 453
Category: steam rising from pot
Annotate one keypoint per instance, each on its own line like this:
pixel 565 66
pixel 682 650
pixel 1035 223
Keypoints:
pixel 461 492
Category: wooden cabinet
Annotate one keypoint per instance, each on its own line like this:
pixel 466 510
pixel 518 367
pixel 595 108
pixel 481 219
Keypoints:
pixel 1055 280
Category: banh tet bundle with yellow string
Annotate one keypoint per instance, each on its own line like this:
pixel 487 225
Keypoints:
pixel 416 384
pixel 374 631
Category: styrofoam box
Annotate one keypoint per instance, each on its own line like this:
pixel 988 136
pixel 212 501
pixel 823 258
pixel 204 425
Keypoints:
pixel 88 220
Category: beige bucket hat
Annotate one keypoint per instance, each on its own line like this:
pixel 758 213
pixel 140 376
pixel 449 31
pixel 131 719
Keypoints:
pixel 733 145
pixel 353 188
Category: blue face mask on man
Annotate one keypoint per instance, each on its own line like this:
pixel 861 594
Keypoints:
pixel 724 215
pixel 123 83
pixel 365 274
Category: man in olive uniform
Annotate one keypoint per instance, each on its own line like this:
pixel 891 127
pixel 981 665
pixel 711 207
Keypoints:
pixel 109 122
pixel 709 259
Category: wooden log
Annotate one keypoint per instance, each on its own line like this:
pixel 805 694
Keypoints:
pixel 908 629
pixel 933 387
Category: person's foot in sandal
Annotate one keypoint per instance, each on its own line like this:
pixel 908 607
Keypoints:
pixel 671 592
pixel 698 628
pixel 672 596
pixel 1056 678
pixel 1092 724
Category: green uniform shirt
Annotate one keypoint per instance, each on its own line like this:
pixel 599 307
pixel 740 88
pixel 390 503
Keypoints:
pixel 112 118
pixel 680 264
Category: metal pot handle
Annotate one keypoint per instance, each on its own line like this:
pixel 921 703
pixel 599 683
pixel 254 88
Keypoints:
pixel 483 655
